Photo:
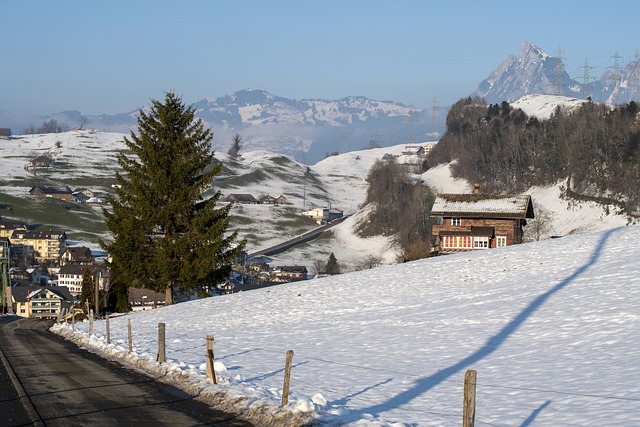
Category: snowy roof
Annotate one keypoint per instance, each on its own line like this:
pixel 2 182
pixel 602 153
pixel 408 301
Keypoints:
pixel 483 205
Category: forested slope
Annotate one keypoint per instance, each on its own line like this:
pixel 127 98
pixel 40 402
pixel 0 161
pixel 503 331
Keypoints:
pixel 594 147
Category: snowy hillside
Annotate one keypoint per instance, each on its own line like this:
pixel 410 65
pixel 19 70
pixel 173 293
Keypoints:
pixel 551 328
pixel 542 106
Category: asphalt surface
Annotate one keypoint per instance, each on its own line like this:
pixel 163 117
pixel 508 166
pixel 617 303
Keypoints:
pixel 47 381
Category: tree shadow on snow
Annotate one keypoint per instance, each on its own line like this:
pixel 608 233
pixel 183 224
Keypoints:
pixel 423 385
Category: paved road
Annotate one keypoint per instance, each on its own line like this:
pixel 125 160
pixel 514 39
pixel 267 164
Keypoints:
pixel 47 381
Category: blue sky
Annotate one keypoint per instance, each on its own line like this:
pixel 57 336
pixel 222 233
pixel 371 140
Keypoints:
pixel 114 56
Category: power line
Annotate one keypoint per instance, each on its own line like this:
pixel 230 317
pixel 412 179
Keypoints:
pixel 586 85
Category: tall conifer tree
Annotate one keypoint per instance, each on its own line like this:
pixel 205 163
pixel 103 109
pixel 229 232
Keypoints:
pixel 166 234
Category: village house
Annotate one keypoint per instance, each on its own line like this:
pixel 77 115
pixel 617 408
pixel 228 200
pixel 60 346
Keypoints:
pixel 281 200
pixel 145 299
pixel 41 302
pixel 77 255
pixel 289 273
pixel 5 133
pixel 323 215
pixel 7 227
pixel 47 245
pixel 413 150
pixel 267 200
pixel 465 222
pixel 56 192
pixel 245 199
pixel 72 275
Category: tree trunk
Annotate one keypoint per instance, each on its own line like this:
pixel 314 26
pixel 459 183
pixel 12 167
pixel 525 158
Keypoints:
pixel 169 294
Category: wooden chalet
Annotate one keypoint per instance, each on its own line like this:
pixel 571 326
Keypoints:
pixel 268 200
pixel 465 222
pixel 57 192
pixel 246 199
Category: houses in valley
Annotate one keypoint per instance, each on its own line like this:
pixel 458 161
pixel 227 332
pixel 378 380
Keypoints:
pixel 465 222
pixel 46 274
pixel 250 199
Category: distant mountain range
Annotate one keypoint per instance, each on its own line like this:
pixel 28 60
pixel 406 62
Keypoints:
pixel 310 129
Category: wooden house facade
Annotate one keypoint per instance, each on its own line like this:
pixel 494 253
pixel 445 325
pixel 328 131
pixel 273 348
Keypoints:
pixel 465 222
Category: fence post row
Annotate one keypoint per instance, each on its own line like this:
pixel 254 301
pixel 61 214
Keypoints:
pixel 211 373
pixel 287 378
pixel 161 347
pixel 469 401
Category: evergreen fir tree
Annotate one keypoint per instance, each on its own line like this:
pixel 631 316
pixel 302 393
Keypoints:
pixel 166 234
pixel 87 291
pixel 332 267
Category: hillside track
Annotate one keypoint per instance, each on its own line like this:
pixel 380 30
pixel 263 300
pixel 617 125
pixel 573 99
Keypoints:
pixel 55 383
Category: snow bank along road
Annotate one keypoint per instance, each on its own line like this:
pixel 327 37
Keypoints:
pixel 58 384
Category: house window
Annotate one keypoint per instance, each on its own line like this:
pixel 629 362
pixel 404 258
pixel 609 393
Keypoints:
pixel 456 222
pixel 481 242
pixel 501 241
pixel 456 242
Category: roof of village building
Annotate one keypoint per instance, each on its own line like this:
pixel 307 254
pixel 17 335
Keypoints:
pixel 39 234
pixel 13 225
pixel 75 269
pixel 52 189
pixel 483 206
pixel 22 293
pixel 80 253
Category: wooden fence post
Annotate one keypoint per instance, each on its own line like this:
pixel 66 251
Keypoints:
pixel 469 402
pixel 287 378
pixel 129 335
pixel 161 347
pixel 91 322
pixel 108 329
pixel 211 372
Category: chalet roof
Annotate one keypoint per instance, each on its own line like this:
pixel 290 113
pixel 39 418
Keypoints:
pixel 39 234
pixel 13 225
pixel 52 189
pixel 74 269
pixel 242 198
pixel 20 293
pixel 79 253
pixel 483 206
pixel 136 295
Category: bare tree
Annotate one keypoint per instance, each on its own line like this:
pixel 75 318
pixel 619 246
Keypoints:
pixel 234 151
pixel 540 227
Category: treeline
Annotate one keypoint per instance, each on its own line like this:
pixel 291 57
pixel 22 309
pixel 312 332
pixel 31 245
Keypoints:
pixel 50 126
pixel 595 148
pixel 399 206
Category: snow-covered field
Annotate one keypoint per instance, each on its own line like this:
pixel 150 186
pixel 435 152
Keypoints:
pixel 551 328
